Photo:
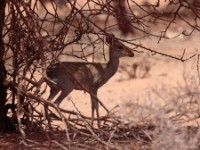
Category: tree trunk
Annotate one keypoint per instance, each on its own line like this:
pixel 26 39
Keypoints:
pixel 3 88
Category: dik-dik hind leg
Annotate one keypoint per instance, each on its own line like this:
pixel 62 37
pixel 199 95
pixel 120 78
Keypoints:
pixel 95 107
pixel 65 90
pixel 53 92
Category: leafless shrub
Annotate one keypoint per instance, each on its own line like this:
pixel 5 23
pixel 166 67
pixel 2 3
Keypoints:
pixel 175 114
pixel 138 69
pixel 36 33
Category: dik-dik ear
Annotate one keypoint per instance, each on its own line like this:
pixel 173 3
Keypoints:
pixel 110 39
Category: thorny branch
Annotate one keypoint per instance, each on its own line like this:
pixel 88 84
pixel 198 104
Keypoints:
pixel 37 33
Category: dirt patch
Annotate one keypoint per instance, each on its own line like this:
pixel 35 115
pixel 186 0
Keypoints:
pixel 136 138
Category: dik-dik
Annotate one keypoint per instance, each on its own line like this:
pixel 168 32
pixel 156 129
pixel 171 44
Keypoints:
pixel 66 76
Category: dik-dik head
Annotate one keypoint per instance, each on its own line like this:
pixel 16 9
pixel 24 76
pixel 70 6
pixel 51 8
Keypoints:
pixel 117 49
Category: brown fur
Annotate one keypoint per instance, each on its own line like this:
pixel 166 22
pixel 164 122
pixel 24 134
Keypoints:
pixel 66 76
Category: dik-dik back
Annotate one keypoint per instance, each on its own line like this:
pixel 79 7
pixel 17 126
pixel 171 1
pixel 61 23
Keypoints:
pixel 85 75
pixel 89 75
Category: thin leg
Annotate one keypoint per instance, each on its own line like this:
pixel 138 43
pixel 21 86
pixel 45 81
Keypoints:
pixel 53 92
pixel 95 107
pixel 47 116
pixel 62 95
pixel 64 92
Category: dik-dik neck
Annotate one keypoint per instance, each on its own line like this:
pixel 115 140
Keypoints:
pixel 113 63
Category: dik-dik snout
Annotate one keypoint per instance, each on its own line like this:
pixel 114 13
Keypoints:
pixel 127 52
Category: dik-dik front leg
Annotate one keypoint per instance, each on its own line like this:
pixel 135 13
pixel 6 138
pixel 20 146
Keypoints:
pixel 95 106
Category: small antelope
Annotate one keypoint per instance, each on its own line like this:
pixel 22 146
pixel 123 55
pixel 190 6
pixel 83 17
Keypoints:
pixel 66 76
